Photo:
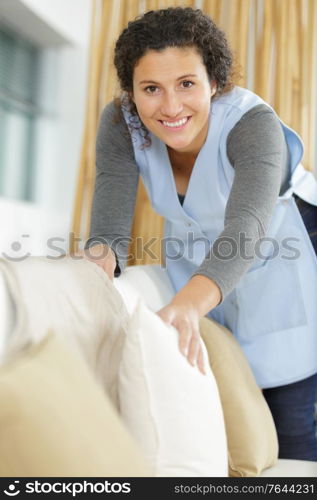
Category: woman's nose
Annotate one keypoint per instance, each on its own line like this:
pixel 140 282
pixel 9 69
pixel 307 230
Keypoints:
pixel 171 105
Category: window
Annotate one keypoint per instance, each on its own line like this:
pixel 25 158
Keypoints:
pixel 19 70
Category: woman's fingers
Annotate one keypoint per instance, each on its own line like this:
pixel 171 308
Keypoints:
pixel 187 326
pixel 190 346
pixel 109 267
pixel 193 348
pixel 200 361
pixel 184 339
pixel 195 354
pixel 103 256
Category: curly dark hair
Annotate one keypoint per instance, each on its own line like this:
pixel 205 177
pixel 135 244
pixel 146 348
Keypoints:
pixel 172 27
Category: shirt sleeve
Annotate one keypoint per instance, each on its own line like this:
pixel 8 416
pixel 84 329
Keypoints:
pixel 258 152
pixel 115 186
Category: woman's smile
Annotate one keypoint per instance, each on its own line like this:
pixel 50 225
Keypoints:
pixel 176 124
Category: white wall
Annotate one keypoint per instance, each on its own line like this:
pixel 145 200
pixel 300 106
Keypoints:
pixel 61 28
pixel 71 18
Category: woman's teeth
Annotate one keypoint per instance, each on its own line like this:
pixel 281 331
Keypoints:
pixel 179 123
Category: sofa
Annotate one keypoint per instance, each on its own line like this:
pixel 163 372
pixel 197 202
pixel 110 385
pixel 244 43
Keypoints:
pixel 152 285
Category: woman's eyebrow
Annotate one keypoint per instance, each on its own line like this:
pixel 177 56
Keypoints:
pixel 157 83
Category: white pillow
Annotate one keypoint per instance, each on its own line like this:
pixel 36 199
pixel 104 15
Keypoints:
pixel 149 282
pixel 172 410
pixel 128 292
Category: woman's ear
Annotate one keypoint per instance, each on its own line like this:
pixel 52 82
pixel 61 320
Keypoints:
pixel 213 87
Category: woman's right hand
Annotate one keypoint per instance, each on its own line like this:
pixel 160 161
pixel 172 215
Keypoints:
pixel 103 256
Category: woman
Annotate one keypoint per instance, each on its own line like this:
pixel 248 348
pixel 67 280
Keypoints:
pixel 219 165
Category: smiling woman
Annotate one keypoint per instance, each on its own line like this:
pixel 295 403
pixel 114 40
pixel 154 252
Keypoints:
pixel 221 168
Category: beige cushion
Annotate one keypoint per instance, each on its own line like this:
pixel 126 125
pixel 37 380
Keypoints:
pixel 56 421
pixel 74 298
pixel 172 410
pixel 251 434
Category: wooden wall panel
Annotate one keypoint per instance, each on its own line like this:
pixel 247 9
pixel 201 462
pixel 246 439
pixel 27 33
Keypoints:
pixel 213 9
pixel 264 45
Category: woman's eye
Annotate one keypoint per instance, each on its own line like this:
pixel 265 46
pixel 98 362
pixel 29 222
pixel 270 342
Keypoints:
pixel 150 89
pixel 187 84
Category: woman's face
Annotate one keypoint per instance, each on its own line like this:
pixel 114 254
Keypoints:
pixel 172 92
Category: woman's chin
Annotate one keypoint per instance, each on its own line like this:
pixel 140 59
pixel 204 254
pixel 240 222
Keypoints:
pixel 178 145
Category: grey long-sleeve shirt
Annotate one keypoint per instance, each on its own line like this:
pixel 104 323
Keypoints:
pixel 257 150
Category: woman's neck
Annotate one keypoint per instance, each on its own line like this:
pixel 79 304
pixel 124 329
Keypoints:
pixel 181 161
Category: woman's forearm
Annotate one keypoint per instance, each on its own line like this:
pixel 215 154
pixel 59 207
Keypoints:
pixel 200 293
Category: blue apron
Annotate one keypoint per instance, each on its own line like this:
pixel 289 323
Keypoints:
pixel 273 309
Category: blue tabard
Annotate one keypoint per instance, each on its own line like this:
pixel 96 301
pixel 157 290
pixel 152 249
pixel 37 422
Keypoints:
pixel 273 309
